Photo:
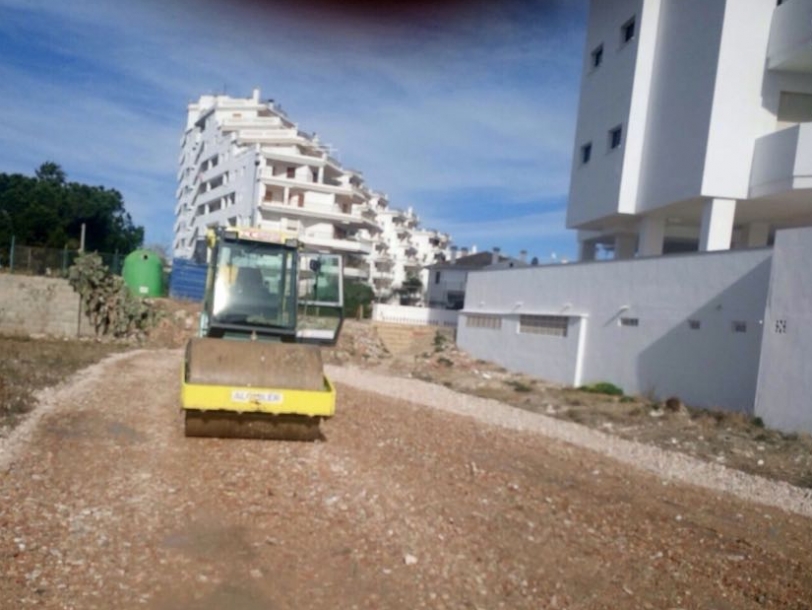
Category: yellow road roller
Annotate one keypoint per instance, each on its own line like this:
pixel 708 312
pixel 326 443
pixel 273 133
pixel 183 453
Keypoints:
pixel 255 368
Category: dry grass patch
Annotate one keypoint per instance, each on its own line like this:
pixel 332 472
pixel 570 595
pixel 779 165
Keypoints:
pixel 28 365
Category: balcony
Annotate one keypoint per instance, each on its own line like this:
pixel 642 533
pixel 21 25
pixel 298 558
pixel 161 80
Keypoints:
pixel 272 136
pixel 411 262
pixel 325 212
pixel 328 241
pixel 354 272
pixel 295 158
pixel 383 277
pixel 790 46
pixel 359 270
pixel 257 122
pixel 283 181
pixel 782 161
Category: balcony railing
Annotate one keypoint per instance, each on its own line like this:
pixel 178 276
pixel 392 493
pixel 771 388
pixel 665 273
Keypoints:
pixel 268 176
pixel 335 244
pixel 782 161
pixel 790 46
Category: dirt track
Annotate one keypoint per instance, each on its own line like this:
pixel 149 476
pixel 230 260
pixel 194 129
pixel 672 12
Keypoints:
pixel 106 505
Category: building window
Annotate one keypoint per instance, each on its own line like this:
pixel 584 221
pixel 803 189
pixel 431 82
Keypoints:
pixel 627 31
pixel 483 321
pixel 615 137
pixel 630 322
pixel 694 324
pixel 291 172
pixel 586 153
pixel 436 277
pixel 739 326
pixel 597 56
pixel 554 326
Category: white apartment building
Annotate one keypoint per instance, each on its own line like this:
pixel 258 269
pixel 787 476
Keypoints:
pixel 382 262
pixel 431 247
pixel 694 133
pixel 694 126
pixel 243 162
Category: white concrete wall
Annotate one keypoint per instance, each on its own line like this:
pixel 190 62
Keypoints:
pixel 648 40
pixel 605 101
pixel 549 357
pixel 739 116
pixel 681 101
pixel 694 94
pixel 789 35
pixel 784 397
pixel 662 356
pixel 415 316
pixel 452 280
pixel 782 161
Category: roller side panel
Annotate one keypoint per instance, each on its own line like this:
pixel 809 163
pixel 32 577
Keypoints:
pixel 275 401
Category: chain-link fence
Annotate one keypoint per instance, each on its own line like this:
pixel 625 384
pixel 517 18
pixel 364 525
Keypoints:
pixel 33 260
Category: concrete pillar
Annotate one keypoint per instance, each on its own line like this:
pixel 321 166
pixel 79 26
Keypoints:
pixel 625 246
pixel 587 251
pixel 652 236
pixel 756 234
pixel 717 224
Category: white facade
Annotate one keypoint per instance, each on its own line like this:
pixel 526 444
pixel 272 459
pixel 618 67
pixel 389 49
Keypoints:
pixel 406 249
pixel 694 133
pixel 659 325
pixel 446 281
pixel 431 247
pixel 244 162
pixel 694 127
pixel 414 316
pixel 784 380
pixel 720 330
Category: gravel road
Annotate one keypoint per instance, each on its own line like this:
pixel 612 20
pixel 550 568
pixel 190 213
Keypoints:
pixel 104 504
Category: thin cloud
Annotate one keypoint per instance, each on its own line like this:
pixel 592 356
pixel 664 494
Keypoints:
pixel 481 104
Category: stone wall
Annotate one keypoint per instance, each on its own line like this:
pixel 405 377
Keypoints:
pixel 32 305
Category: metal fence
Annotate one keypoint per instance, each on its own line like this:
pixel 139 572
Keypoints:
pixel 33 260
pixel 187 280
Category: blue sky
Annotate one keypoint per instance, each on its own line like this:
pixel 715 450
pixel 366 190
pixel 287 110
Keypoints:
pixel 467 115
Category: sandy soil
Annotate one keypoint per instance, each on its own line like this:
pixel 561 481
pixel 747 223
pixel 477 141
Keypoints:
pixel 104 504
pixel 720 437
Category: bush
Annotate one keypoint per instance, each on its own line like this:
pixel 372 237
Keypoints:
pixel 108 303
pixel 440 341
pixel 357 295
pixel 602 387
pixel 518 386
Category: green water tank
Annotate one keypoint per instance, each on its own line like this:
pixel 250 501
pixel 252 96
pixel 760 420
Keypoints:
pixel 143 273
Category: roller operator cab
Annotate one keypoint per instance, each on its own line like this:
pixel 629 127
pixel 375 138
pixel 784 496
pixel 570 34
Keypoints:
pixel 255 370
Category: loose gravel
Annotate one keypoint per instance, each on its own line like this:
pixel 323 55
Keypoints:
pixel 666 464
pixel 105 504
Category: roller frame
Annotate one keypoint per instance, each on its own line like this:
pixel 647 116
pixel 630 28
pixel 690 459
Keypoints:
pixel 240 399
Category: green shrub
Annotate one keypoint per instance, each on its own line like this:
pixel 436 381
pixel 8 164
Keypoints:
pixel 602 387
pixel 440 341
pixel 518 386
pixel 357 296
pixel 108 303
